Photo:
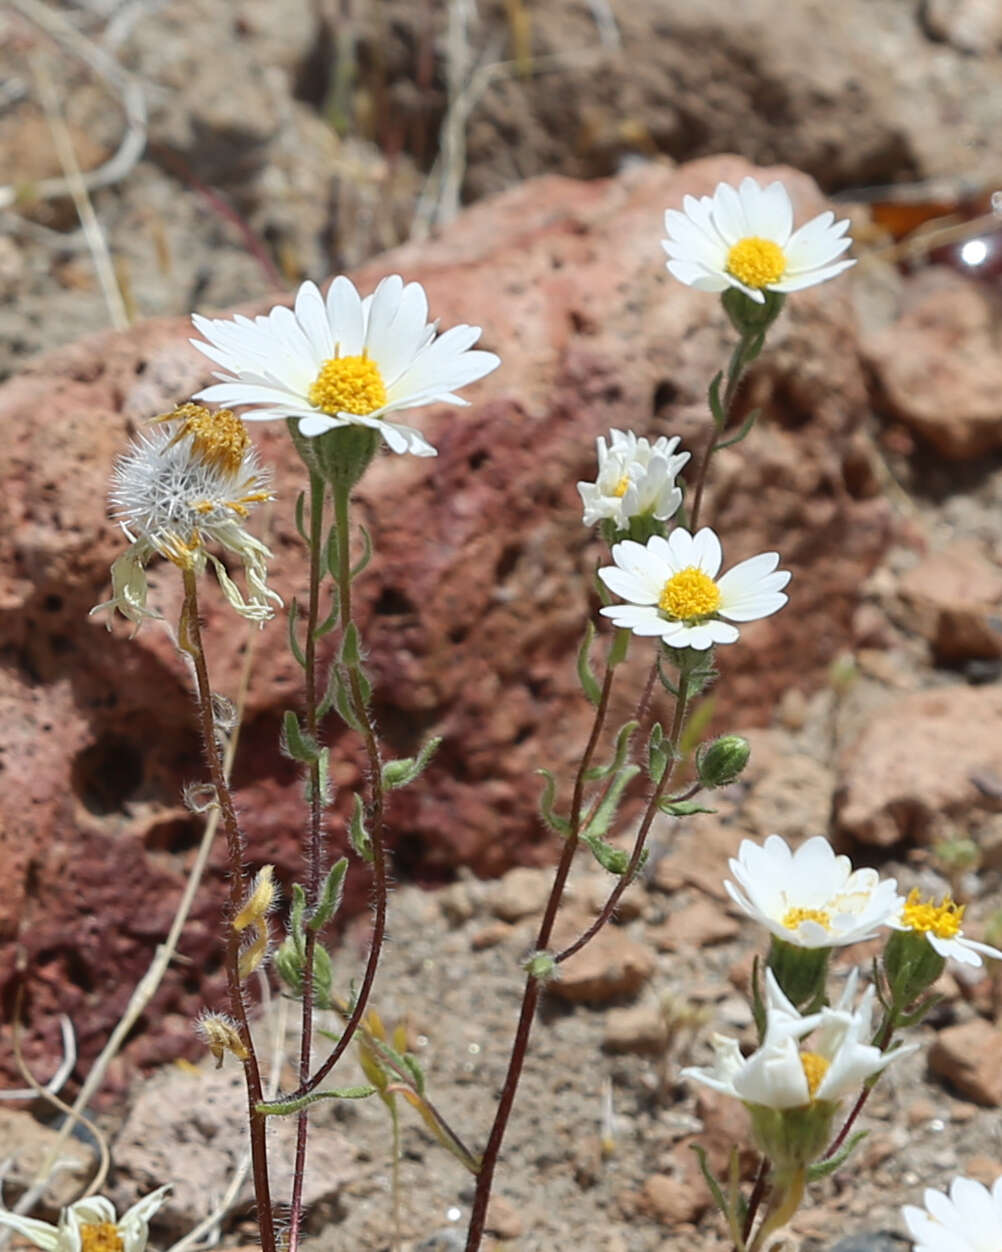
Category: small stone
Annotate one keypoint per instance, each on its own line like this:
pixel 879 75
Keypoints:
pixel 698 925
pixel 671 1200
pixel 456 903
pixel 490 936
pixel 967 1056
pixel 608 968
pixel 522 892
pixel 503 1219
pixel 641 1028
pixel 956 598
pixel 871 1241
pixel 983 1169
pixel 921 1111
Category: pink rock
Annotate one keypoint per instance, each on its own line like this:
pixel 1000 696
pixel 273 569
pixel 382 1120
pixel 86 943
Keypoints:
pixel 956 596
pixel 471 610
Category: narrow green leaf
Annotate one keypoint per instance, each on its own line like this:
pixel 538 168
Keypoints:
pixel 330 896
pixel 351 653
pixel 300 516
pixel 294 647
pixel 659 752
pixel 716 407
pixel 711 1182
pixel 619 756
pixel 299 744
pixel 605 812
pixel 281 1108
pixel 743 432
pixel 587 679
pixel 296 918
pixel 358 835
pixel 324 772
pixel 366 556
pixel 332 554
pixel 682 808
pixel 343 701
pixel 619 649
pixel 823 1168
pixel 559 825
pixel 401 773
pixel 615 860
pixel 415 1071
pixel 331 620
pixel 327 700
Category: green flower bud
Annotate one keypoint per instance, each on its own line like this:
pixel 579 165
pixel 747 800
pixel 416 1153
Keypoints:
pixel 749 318
pixel 721 761
pixel 541 966
pixel 800 972
pixel 340 456
pixel 911 965
pixel 290 962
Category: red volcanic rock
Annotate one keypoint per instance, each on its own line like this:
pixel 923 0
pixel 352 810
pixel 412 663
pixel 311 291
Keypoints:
pixel 472 607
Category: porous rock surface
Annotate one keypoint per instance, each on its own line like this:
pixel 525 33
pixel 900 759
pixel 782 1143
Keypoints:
pixel 471 610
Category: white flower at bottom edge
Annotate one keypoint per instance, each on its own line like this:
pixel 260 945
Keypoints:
pixel 673 590
pixel 969 1219
pixel 781 1075
pixel 635 478
pixel 940 923
pixel 810 897
pixel 744 238
pixel 90 1225
pixel 343 360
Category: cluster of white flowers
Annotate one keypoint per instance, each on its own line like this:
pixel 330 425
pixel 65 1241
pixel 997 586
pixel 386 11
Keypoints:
pixel 636 478
pixel 812 898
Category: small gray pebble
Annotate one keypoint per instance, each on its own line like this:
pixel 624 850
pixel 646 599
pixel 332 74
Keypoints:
pixel 871 1241
pixel 449 1239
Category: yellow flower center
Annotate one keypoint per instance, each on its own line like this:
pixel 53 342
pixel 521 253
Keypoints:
pixel 688 594
pixel 218 438
pixel 793 917
pixel 756 262
pixel 100 1237
pixel 621 487
pixel 348 384
pixel 942 919
pixel 815 1068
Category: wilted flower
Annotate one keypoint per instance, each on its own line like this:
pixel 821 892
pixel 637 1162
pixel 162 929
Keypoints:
pixel 940 923
pixel 343 361
pixel 190 480
pixel 744 238
pixel 90 1226
pixel 635 478
pixel 969 1219
pixel 810 898
pixel 674 592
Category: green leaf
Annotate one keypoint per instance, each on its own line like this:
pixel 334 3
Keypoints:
pixel 921 1010
pixel 331 620
pixel 713 396
pixel 343 701
pixel 401 773
pixel 823 1168
pixel 359 836
pixel 711 1182
pixel 300 519
pixel 281 1108
pixel 605 812
pixel 323 777
pixel 330 896
pixel 332 554
pixel 415 1071
pixel 619 649
pixel 666 682
pixel 682 808
pixel 743 432
pixel 294 647
pixel 366 556
pixel 299 744
pixel 615 860
pixel 659 753
pixel 587 679
pixel 622 747
pixel 559 825
pixel 351 651
pixel 296 913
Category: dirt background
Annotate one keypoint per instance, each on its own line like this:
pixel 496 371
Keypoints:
pixel 276 142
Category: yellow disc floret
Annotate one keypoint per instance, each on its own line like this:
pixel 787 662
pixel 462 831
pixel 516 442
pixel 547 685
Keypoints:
pixel 815 1068
pixel 689 594
pixel 756 262
pixel 348 384
pixel 218 438
pixel 100 1237
pixel 621 487
pixel 793 917
pixel 942 920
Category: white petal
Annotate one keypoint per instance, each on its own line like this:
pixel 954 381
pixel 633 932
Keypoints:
pixel 344 309
pixel 311 313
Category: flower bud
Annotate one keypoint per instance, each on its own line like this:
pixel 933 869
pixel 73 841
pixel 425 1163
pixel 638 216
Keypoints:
pixel 541 966
pixel 220 1034
pixel 721 761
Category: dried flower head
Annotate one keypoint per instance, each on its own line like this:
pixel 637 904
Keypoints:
pixel 189 480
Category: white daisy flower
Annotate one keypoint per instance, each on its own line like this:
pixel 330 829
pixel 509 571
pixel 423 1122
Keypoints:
pixel 674 591
pixel 90 1225
pixel 969 1219
pixel 635 478
pixel 745 239
pixel 782 1075
pixel 192 479
pixel 940 923
pixel 343 361
pixel 810 898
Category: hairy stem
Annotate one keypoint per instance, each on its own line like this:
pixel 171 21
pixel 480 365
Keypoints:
pixel 190 637
pixel 313 846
